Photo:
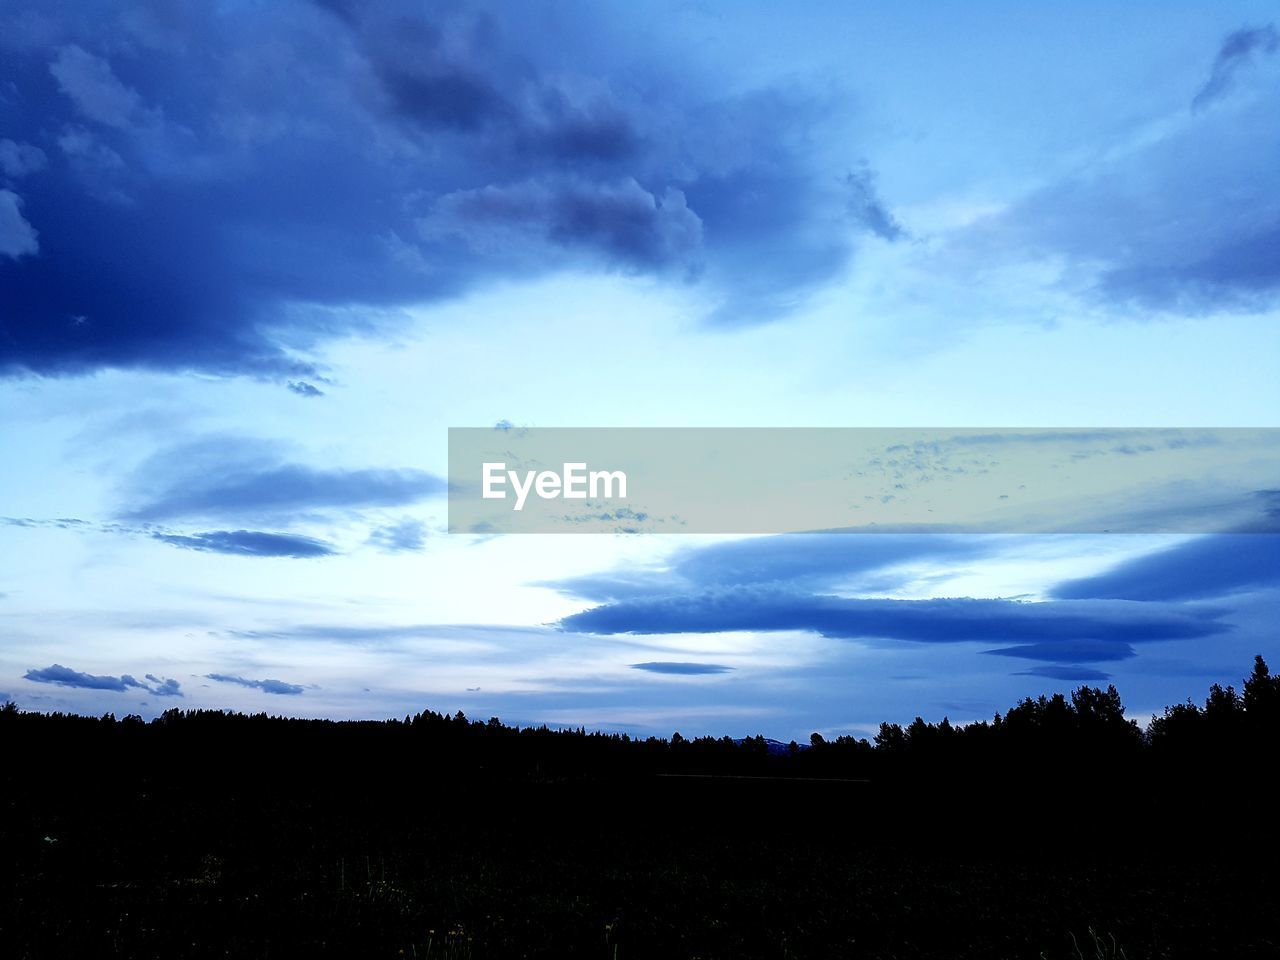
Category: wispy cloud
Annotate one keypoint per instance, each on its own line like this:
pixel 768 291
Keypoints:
pixel 681 668
pixel 1235 53
pixel 405 535
pixel 809 561
pixel 252 479
pixel 304 389
pixel 249 543
pixel 255 490
pixel 1183 220
pixel 66 677
pixel 266 686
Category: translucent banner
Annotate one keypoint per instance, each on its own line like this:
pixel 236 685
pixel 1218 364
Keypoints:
pixel 862 480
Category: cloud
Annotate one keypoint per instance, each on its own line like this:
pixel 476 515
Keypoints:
pixel 621 223
pixel 291 487
pixel 868 209
pixel 227 477
pixel 681 668
pixel 304 389
pixel 17 236
pixel 810 561
pixel 60 523
pixel 1236 51
pixel 1209 566
pixel 1068 651
pixel 95 90
pixel 1184 218
pixel 19 159
pixel 266 686
pixel 228 192
pixel 161 688
pixel 801 583
pixel 1061 624
pixel 818 560
pixel 66 677
pixel 408 534
pixel 474 637
pixel 250 543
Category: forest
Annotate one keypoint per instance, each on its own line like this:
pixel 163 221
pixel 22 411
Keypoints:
pixel 1060 828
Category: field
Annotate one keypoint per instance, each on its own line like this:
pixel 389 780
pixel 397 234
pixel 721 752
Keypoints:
pixel 189 842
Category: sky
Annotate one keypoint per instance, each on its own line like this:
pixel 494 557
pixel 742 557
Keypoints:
pixel 256 259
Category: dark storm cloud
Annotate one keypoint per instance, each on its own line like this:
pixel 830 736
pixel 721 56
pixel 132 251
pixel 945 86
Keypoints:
pixel 66 677
pixel 266 686
pixel 249 543
pixel 1209 566
pixel 622 223
pixel 681 668
pixel 200 187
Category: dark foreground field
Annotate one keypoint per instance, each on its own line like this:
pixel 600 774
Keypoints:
pixel 211 836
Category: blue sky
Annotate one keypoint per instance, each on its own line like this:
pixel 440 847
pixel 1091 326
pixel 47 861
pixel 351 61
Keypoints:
pixel 256 259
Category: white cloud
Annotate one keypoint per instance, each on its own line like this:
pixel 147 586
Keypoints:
pixel 17 236
pixel 94 88
pixel 18 159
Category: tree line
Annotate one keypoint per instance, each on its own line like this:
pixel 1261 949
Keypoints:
pixel 1043 734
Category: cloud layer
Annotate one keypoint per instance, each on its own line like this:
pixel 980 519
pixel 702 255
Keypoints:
pixel 216 189
pixel 285 489
pixel 802 583
pixel 1209 566
pixel 1183 218
pixel 1060 627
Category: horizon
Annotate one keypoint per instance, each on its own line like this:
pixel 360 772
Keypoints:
pixel 255 263
pixel 1144 726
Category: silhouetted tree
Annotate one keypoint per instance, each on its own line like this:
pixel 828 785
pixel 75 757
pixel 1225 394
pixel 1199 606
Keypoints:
pixel 890 738
pixel 1262 695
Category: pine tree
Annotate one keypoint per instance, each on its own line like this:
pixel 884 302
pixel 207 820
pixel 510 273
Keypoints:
pixel 1261 695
